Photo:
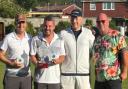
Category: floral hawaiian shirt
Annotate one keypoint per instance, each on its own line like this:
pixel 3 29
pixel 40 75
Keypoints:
pixel 106 48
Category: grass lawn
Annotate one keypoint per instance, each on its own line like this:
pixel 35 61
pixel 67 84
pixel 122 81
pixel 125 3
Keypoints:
pixel 2 67
pixel 125 83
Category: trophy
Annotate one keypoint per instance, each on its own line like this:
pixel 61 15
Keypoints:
pixel 20 61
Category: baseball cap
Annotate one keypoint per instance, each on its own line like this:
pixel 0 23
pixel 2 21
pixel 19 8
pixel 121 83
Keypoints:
pixel 76 13
pixel 20 18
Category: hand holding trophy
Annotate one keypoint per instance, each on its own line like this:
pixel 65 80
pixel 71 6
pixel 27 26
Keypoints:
pixel 43 63
pixel 17 63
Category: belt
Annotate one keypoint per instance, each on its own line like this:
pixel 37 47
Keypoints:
pixel 75 74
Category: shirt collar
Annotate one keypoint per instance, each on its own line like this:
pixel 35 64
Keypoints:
pixel 41 37
pixel 71 31
pixel 15 35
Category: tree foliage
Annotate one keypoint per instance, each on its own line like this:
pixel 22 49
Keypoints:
pixel 8 8
pixel 112 24
pixel 44 2
pixel 30 29
pixel 61 26
pixel 27 4
pixel 10 28
pixel 88 22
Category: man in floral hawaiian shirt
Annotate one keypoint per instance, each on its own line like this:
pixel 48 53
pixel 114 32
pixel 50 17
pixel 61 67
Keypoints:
pixel 106 47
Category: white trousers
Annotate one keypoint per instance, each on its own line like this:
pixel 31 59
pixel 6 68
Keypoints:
pixel 75 82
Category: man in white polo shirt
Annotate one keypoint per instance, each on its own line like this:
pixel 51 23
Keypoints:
pixel 47 52
pixel 17 47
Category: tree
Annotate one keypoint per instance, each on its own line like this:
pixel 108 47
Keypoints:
pixel 44 2
pixel 112 24
pixel 27 4
pixel 88 23
pixel 61 26
pixel 8 8
pixel 10 28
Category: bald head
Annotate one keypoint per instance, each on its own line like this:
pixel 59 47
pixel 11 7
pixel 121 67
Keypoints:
pixel 102 16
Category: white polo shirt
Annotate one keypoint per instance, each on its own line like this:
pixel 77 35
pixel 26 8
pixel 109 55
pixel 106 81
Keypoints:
pixel 53 50
pixel 16 49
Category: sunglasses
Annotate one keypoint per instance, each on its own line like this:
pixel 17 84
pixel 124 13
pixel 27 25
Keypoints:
pixel 101 21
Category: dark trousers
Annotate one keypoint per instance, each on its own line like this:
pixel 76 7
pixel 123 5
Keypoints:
pixel 17 82
pixel 46 86
pixel 111 84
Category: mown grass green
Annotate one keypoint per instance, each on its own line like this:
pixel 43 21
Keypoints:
pixel 2 67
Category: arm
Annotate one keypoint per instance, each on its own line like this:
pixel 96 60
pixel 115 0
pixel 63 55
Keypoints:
pixel 124 67
pixel 4 59
pixel 124 55
pixel 13 64
pixel 59 60
pixel 34 59
pixel 33 51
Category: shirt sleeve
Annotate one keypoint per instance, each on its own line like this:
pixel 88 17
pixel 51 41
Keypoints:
pixel 4 45
pixel 122 43
pixel 62 50
pixel 91 40
pixel 33 47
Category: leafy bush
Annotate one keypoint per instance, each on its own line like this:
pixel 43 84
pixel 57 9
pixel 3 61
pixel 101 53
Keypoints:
pixel 27 4
pixel 8 9
pixel 112 24
pixel 10 28
pixel 30 29
pixel 88 22
pixel 62 25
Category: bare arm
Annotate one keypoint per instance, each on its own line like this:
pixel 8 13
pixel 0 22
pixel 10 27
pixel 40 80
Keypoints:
pixel 124 65
pixel 34 59
pixel 8 62
pixel 59 60
pixel 4 59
